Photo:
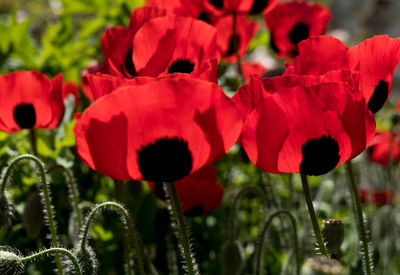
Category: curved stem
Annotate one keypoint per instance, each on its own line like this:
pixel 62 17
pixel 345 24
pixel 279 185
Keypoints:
pixel 45 193
pixel 367 264
pixel 261 238
pixel 236 41
pixel 313 217
pixel 46 252
pixel 181 230
pixel 232 214
pixel 73 190
pixel 128 224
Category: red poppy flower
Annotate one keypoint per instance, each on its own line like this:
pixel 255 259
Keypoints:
pixel 245 31
pixel 116 43
pixel 292 22
pixel 30 100
pixel 375 58
pixel 160 131
pixel 379 148
pixel 377 197
pixel 173 44
pixel 70 88
pixel 198 193
pixel 249 69
pixel 299 128
pixel 94 68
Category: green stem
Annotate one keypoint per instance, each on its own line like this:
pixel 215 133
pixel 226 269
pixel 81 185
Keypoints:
pixel 73 191
pixel 313 217
pixel 45 192
pixel 236 44
pixel 57 251
pixel 261 237
pixel 127 222
pixel 367 264
pixel 181 230
pixel 32 138
pixel 232 214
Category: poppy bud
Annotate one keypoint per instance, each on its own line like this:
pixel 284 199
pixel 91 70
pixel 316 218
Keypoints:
pixel 333 233
pixel 232 257
pixel 33 215
pixel 87 260
pixel 10 261
pixel 322 265
pixel 5 211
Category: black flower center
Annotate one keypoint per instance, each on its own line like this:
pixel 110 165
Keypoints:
pixel 234 41
pixel 258 6
pixel 299 32
pixel 203 16
pixel 379 96
pixel 217 3
pixel 320 155
pixel 181 66
pixel 165 160
pixel 25 116
pixel 197 210
pixel 129 66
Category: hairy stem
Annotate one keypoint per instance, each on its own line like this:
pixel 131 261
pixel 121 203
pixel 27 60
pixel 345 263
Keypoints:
pixel 367 264
pixel 181 230
pixel 56 251
pixel 313 217
pixel 45 193
pixel 261 237
pixel 128 224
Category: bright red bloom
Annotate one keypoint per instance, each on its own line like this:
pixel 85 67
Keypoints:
pixel 160 131
pixel 29 100
pixel 303 123
pixel 375 58
pixel 249 69
pixel 173 44
pixel 96 67
pixel 198 193
pixel 292 22
pixel 377 197
pixel 116 43
pixel 70 88
pixel 245 31
pixel 380 146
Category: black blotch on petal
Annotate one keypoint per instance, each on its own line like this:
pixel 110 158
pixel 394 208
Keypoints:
pixel 181 66
pixel 203 16
pixel 197 210
pixel 25 116
pixel 258 6
pixel 165 160
pixel 129 66
pixel 379 96
pixel 298 33
pixel 320 155
pixel 217 3
pixel 234 41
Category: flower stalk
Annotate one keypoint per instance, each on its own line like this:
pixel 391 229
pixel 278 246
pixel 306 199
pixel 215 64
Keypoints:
pixel 313 216
pixel 180 229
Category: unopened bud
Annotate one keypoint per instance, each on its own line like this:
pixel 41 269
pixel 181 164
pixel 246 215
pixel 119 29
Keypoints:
pixel 10 261
pixel 232 257
pixel 5 211
pixel 87 260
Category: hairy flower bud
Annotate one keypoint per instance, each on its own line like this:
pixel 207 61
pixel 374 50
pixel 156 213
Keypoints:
pixel 322 265
pixel 232 257
pixel 10 261
pixel 5 211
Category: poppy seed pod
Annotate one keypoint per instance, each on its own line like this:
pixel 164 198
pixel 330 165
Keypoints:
pixel 333 234
pixel 321 265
